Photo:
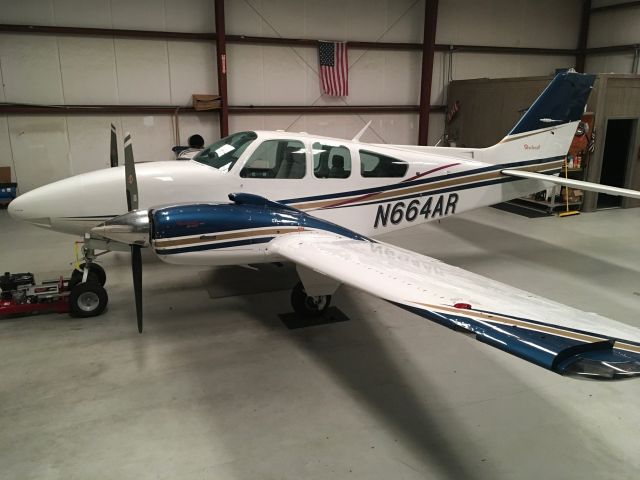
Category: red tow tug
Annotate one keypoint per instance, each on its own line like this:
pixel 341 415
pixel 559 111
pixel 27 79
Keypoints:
pixel 20 295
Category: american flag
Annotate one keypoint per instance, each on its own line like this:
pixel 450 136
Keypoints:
pixel 334 75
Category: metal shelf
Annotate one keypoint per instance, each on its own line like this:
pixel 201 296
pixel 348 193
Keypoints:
pixel 549 206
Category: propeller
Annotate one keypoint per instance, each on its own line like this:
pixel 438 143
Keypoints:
pixel 131 228
pixel 136 268
pixel 130 174
pixel 114 146
pixel 132 204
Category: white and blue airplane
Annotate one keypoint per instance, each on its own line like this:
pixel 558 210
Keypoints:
pixel 258 196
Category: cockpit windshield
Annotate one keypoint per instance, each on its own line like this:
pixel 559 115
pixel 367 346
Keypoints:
pixel 224 153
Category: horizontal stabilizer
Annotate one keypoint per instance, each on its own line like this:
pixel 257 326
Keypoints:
pixel 594 187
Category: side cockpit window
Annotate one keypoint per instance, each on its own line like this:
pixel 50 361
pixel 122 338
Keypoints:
pixel 376 165
pixel 277 159
pixel 331 161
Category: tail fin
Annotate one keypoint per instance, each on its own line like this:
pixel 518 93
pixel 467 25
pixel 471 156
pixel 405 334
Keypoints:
pixel 546 130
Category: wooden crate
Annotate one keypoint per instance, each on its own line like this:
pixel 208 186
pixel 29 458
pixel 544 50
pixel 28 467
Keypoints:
pixel 206 102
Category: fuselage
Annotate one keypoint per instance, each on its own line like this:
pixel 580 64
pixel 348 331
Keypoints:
pixel 370 189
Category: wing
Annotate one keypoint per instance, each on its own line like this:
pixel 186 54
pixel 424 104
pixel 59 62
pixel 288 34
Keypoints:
pixel 554 336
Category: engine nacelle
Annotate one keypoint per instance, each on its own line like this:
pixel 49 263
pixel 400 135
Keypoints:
pixel 228 233
pixel 218 234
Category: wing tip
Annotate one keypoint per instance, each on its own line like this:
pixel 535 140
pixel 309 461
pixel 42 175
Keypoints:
pixel 586 368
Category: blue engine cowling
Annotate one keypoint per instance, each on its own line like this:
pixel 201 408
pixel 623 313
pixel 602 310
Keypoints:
pixel 228 233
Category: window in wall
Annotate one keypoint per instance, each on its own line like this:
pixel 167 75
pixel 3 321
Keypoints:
pixel 377 165
pixel 277 159
pixel 331 161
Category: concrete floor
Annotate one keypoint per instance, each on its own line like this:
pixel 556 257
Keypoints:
pixel 219 388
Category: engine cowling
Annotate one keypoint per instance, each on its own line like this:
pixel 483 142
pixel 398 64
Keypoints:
pixel 228 233
pixel 218 234
pixel 215 233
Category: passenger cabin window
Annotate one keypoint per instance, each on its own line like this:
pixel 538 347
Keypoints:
pixel 277 159
pixel 376 165
pixel 331 161
pixel 224 153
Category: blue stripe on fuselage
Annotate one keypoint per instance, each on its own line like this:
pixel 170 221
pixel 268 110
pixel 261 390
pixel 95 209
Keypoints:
pixel 422 181
pixel 427 193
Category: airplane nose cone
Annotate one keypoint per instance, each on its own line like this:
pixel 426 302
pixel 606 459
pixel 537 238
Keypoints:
pixel 75 204
pixel 15 210
pixel 29 207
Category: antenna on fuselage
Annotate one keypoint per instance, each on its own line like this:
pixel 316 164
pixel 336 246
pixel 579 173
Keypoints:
pixel 361 132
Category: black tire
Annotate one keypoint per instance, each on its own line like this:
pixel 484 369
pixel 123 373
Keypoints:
pixel 76 278
pixel 96 275
pixel 98 271
pixel 88 299
pixel 307 306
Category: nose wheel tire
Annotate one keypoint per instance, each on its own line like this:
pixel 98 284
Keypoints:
pixel 308 306
pixel 96 275
pixel 88 299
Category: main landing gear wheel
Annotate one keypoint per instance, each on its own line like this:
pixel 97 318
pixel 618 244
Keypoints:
pixel 96 275
pixel 307 306
pixel 88 299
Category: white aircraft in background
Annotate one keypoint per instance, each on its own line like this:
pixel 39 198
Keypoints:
pixel 317 201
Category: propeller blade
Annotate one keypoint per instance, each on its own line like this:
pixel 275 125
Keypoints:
pixel 114 146
pixel 130 174
pixel 136 268
pixel 128 227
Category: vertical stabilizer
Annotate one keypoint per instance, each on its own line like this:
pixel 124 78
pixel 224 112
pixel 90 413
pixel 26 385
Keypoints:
pixel 547 128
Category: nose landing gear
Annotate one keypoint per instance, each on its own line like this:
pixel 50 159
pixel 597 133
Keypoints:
pixel 87 297
pixel 96 274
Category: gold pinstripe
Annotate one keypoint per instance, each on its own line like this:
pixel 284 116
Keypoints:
pixel 480 177
pixel 170 242
pixel 628 347
pixel 531 326
pixel 517 323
